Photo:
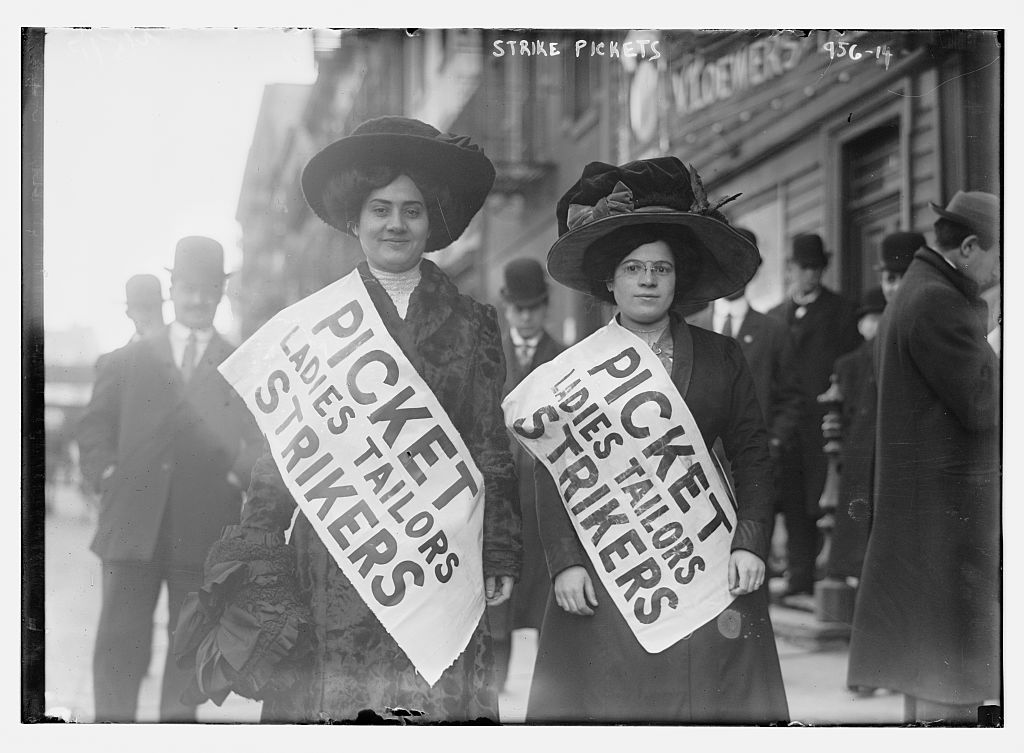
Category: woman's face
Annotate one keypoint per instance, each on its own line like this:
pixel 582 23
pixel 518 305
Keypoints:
pixel 393 226
pixel 645 284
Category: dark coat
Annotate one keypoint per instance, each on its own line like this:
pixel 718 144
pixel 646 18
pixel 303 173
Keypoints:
pixel 531 592
pixel 927 616
pixel 172 445
pixel 454 343
pixel 855 375
pixel 592 668
pixel 827 330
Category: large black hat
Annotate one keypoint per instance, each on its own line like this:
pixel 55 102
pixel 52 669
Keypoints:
pixel 660 191
pixel 897 251
pixel 809 251
pixel 524 283
pixel 199 259
pixel 750 236
pixel 454 162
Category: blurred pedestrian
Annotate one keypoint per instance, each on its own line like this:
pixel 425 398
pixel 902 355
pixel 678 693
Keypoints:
pixel 643 236
pixel 895 255
pixel 527 345
pixel 170 446
pixel 927 617
pixel 144 300
pixel 823 326
pixel 768 348
pixel 855 380
pixel 144 305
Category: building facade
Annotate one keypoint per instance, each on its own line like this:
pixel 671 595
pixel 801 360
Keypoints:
pixel 846 135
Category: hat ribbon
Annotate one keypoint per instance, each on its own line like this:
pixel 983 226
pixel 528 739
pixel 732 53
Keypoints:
pixel 619 201
pixel 463 142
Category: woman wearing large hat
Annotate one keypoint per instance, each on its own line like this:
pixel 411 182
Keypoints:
pixel 644 237
pixel 404 189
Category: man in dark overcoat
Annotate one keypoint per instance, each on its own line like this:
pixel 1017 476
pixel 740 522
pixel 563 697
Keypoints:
pixel 823 326
pixel 170 446
pixel 527 345
pixel 926 622
pixel 855 379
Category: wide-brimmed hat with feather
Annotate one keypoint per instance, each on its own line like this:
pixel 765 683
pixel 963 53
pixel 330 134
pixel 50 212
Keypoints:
pixel 659 191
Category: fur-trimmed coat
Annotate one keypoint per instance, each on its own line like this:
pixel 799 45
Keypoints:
pixel 454 343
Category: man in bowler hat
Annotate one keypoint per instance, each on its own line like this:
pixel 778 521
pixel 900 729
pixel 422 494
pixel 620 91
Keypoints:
pixel 823 326
pixel 927 618
pixel 894 257
pixel 170 446
pixel 527 345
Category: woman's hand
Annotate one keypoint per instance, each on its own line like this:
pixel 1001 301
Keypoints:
pixel 498 590
pixel 574 591
pixel 746 572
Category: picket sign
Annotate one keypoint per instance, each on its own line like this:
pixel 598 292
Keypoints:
pixel 644 493
pixel 374 463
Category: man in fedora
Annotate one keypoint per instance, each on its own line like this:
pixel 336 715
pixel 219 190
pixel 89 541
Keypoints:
pixel 170 446
pixel 927 617
pixel 527 345
pixel 823 326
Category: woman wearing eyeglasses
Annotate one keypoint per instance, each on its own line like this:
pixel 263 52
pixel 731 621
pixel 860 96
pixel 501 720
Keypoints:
pixel 644 237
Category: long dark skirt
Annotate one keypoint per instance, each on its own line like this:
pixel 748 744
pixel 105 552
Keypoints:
pixel 530 596
pixel 592 669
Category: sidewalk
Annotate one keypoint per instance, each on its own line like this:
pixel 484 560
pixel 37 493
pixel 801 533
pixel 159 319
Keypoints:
pixel 72 611
pixel 815 679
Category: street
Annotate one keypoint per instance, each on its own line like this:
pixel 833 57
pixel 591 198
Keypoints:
pixel 815 679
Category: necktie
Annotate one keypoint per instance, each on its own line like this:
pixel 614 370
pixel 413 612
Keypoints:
pixel 188 360
pixel 727 326
pixel 523 354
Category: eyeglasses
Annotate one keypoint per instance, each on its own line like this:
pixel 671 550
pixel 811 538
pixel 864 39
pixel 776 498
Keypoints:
pixel 638 268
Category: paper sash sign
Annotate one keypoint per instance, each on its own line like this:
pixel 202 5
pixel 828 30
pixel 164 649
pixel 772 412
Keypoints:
pixel 641 488
pixel 374 463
